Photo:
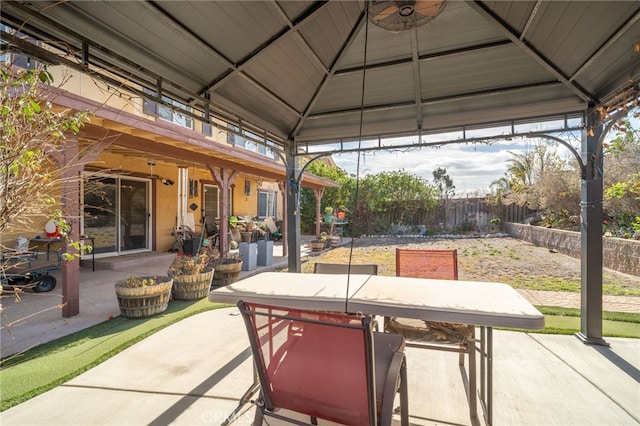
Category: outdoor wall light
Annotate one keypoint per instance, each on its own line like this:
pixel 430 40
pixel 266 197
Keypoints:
pixel 167 182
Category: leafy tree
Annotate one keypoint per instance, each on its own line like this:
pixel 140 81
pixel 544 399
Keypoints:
pixel 443 183
pixel 32 130
pixel 535 177
pixel 392 198
pixel 338 198
pixel 383 199
pixel 502 185
pixel 558 190
pixel 622 179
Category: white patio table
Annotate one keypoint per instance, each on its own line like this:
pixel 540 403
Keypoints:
pixel 483 304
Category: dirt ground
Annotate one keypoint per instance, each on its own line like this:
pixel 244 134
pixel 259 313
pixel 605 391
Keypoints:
pixel 501 259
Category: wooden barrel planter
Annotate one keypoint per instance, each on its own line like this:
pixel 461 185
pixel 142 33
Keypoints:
pixel 316 245
pixel 226 274
pixel 140 302
pixel 192 287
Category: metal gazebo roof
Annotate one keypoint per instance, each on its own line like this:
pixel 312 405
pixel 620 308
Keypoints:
pixel 293 70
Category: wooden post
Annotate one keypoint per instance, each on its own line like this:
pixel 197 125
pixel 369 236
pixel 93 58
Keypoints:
pixel 71 213
pixel 318 195
pixel 224 178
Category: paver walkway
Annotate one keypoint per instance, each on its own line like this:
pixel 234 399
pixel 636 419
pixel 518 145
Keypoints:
pixel 572 300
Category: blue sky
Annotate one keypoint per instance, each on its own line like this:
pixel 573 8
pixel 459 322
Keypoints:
pixel 472 167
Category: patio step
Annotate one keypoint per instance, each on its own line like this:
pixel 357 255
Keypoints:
pixel 116 263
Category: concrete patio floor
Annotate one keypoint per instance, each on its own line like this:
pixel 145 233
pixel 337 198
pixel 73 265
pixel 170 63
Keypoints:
pixel 195 371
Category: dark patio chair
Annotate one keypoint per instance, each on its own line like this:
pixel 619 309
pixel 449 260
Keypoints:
pixel 343 268
pixel 453 337
pixel 329 366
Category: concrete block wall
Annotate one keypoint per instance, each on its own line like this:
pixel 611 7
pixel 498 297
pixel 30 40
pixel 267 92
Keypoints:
pixel 618 254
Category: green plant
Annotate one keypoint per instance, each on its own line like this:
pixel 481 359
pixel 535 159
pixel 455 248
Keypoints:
pixel 215 258
pixel 328 210
pixel 186 264
pixel 233 221
pixel 137 281
pixel 32 130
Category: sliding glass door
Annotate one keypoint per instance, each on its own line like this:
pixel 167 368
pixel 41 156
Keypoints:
pixel 134 215
pixel 117 213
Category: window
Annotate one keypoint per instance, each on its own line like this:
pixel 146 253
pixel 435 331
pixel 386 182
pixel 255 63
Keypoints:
pixel 149 107
pixel 16 59
pixel 206 129
pixel 175 116
pixel 211 202
pixel 267 204
pixel 166 112
pixel 249 145
pixel 234 139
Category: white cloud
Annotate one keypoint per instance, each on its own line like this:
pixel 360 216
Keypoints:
pixel 472 167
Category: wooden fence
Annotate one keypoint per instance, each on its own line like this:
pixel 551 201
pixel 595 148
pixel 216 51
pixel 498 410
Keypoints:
pixel 454 215
pixel 475 214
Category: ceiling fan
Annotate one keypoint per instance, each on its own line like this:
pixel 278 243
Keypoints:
pixel 400 15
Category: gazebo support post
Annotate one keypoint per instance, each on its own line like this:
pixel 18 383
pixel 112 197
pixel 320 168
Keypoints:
pixel 292 195
pixel 591 231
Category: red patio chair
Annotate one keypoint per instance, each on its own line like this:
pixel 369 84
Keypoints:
pixel 435 264
pixel 322 365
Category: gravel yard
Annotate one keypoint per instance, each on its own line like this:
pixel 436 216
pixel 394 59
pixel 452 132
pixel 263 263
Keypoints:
pixel 501 259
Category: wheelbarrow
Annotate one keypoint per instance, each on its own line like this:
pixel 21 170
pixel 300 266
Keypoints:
pixel 31 269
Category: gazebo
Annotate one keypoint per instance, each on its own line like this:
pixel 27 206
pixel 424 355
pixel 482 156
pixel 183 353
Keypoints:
pixel 315 77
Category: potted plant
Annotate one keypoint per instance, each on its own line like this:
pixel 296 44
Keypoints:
pixel 233 222
pixel 319 243
pixel 226 267
pixel 142 296
pixel 191 275
pixel 247 232
pixel 328 214
pixel 334 240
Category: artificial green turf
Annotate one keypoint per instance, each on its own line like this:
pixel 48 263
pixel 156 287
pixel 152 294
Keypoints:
pixel 570 325
pixel 42 368
pixel 567 321
pixel 559 320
